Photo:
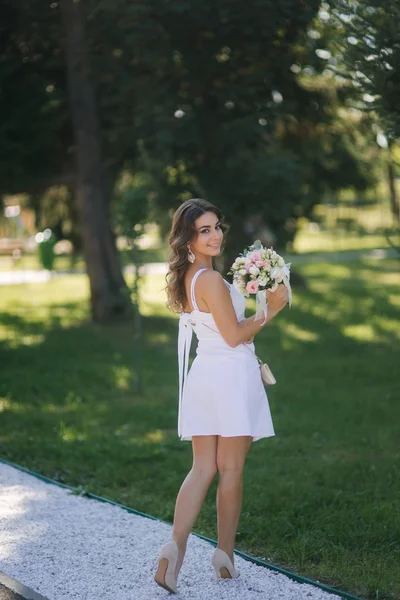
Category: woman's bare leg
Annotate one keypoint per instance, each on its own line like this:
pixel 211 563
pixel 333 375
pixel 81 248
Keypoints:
pixel 194 490
pixel 231 456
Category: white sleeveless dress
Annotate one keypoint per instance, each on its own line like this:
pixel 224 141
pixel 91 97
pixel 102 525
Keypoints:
pixel 222 393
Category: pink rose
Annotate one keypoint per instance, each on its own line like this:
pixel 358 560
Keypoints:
pixel 259 264
pixel 256 256
pixel 266 263
pixel 248 266
pixel 252 287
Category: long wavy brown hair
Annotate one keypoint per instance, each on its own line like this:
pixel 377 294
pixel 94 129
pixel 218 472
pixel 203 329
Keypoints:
pixel 182 233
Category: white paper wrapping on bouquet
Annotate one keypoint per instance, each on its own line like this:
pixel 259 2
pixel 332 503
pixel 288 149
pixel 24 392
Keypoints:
pixel 286 281
pixel 261 296
pixel 261 305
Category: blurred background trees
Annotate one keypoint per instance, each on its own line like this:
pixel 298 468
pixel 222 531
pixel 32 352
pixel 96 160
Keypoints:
pixel 270 110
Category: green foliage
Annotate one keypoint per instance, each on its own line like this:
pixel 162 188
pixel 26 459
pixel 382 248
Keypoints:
pixel 368 33
pixel 215 100
pixel 204 98
pixel 131 204
pixel 34 138
pixel 46 249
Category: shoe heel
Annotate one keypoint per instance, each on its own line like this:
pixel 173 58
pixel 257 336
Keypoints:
pixel 165 574
pixel 223 566
pixel 224 573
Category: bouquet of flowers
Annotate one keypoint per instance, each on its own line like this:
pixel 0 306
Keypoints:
pixel 260 269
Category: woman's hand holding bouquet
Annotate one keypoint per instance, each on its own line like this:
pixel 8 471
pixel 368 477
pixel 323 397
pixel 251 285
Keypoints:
pixel 263 272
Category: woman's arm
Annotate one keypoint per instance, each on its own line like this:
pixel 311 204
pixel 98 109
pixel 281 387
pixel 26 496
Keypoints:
pixel 214 292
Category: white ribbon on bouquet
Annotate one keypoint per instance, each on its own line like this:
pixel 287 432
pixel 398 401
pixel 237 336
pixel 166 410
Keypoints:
pixel 261 296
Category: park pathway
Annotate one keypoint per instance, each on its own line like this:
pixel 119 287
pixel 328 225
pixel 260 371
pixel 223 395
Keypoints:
pixel 20 276
pixel 69 547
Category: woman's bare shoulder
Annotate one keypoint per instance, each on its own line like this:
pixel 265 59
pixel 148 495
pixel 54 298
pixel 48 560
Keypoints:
pixel 209 279
pixel 210 275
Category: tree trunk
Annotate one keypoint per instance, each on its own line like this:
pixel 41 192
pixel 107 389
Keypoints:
pixel 394 201
pixel 109 293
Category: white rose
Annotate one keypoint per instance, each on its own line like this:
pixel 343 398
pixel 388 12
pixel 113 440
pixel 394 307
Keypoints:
pixel 274 287
pixel 254 270
pixel 242 271
pixel 261 280
pixel 275 272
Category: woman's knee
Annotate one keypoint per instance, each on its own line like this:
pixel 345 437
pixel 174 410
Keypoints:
pixel 231 454
pixel 234 469
pixel 207 470
pixel 205 456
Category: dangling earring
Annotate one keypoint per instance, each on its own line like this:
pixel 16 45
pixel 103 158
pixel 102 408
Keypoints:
pixel 191 256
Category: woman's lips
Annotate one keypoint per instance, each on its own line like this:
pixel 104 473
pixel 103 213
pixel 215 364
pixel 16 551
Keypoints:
pixel 215 245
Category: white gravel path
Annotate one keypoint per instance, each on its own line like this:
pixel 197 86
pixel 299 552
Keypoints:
pixel 69 547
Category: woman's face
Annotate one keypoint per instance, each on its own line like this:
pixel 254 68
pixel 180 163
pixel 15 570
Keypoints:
pixel 208 238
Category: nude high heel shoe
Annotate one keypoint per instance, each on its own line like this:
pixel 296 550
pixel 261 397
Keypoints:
pixel 223 566
pixel 166 575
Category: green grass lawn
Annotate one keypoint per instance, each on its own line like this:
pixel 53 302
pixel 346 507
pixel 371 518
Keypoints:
pixel 321 497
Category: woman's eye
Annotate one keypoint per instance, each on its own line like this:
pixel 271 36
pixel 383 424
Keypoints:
pixel 207 230
pixel 217 227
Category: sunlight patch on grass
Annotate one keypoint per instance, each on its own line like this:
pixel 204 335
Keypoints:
pixel 379 278
pixel 394 300
pixel 151 437
pixel 155 436
pixel 123 377
pixel 388 326
pixel 32 340
pixel 68 434
pixel 363 332
pixel 298 333
pixel 158 338
pixel 5 332
pixel 57 409
pixel 4 404
pixel 13 406
pixel 324 313
pixel 16 340
pixel 332 241
pixel 333 271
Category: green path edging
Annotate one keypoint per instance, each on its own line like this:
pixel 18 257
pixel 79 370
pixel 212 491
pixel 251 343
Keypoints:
pixel 257 561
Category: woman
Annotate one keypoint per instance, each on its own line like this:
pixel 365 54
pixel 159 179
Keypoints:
pixel 223 406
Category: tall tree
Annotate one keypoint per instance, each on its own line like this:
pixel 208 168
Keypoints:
pixel 367 36
pixel 109 293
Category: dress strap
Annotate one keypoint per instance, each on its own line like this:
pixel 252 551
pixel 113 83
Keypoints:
pixel 192 296
pixel 184 342
pixel 185 335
